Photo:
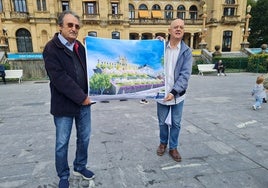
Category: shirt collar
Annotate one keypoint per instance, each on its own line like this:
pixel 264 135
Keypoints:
pixel 178 46
pixel 65 42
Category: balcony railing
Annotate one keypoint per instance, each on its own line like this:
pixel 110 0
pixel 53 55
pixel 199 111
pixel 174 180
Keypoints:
pixel 115 18
pixel 150 21
pixel 20 16
pixel 230 19
pixel 118 18
pixel 91 18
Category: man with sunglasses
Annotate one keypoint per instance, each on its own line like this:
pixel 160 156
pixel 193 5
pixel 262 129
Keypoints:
pixel 65 63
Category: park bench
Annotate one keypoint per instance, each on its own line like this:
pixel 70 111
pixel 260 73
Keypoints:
pixel 202 68
pixel 14 74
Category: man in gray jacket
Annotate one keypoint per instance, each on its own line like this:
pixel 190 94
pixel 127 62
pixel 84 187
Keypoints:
pixel 178 68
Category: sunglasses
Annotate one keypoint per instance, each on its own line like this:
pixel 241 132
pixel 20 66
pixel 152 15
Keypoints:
pixel 71 25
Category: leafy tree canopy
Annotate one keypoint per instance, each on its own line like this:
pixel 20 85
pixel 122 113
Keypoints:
pixel 258 23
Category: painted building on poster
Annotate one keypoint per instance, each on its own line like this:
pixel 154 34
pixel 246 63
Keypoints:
pixel 27 25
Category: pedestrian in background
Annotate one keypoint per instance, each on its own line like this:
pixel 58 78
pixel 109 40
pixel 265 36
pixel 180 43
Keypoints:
pixel 2 73
pixel 65 63
pixel 258 92
pixel 220 68
pixel 178 68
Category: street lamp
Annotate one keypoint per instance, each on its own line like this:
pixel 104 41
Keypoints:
pixel 4 40
pixel 203 43
pixel 246 30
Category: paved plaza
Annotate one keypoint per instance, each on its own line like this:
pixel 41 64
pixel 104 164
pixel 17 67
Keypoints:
pixel 223 141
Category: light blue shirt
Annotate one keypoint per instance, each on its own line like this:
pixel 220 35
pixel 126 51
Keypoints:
pixel 70 46
pixel 258 91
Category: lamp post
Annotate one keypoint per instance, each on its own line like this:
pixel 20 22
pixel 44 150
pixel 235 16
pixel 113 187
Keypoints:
pixel 246 30
pixel 4 40
pixel 3 35
pixel 203 44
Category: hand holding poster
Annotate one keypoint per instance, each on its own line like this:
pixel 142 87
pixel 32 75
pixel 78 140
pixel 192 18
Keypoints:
pixel 124 69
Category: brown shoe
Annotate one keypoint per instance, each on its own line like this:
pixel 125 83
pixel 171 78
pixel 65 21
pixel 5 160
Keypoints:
pixel 161 149
pixel 175 155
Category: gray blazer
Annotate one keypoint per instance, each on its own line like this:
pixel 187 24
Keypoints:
pixel 183 71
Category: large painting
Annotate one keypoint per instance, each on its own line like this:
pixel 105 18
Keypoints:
pixel 124 69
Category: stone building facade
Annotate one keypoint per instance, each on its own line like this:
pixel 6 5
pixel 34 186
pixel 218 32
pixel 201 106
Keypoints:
pixel 26 25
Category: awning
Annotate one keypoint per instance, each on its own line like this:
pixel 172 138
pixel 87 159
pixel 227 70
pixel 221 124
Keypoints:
pixel 156 14
pixel 143 14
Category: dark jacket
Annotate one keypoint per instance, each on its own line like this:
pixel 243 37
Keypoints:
pixel 218 66
pixel 66 95
pixel 2 71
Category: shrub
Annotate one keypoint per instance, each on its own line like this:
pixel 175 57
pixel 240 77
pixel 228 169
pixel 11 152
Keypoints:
pixel 197 62
pixel 233 62
pixel 258 63
pixel 7 66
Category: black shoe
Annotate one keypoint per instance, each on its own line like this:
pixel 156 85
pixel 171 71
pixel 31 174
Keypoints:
pixel 144 101
pixel 64 183
pixel 85 174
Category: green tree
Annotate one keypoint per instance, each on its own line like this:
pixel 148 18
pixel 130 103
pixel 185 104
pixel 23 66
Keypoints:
pixel 258 23
pixel 100 82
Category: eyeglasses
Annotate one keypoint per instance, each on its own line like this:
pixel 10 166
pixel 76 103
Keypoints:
pixel 71 25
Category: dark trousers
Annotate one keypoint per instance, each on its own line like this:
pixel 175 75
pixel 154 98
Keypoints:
pixel 4 79
pixel 221 70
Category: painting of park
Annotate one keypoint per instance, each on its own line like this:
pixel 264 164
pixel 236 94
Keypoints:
pixel 122 69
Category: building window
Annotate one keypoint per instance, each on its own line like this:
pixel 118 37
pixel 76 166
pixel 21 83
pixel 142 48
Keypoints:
pixel 230 2
pixel 115 8
pixel 131 15
pixel 143 7
pixel 229 11
pixel 20 5
pixel 229 8
pixel 92 33
pixel 146 36
pixel 193 12
pixel 24 41
pixel 41 5
pixel 1 6
pixel 169 12
pixel 115 35
pixel 65 5
pixel 133 36
pixel 227 41
pixel 181 12
pixel 156 7
pixel 90 8
pixel 143 11
pixel 156 12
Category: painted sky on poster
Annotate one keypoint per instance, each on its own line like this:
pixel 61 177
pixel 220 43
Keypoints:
pixel 140 52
